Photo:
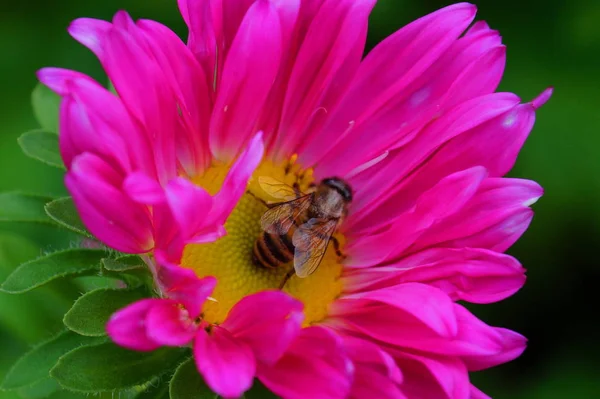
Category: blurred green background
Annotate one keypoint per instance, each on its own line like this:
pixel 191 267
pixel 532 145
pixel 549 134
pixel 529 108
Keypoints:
pixel 549 43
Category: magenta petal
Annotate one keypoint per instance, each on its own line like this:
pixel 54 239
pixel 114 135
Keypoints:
pixel 496 200
pixel 366 119
pixel 367 354
pixel 183 285
pixel 327 60
pixel 385 314
pixel 267 322
pixel 227 363
pixel 143 189
pixel 489 346
pixel 444 199
pixel 433 377
pixel 249 72
pixel 477 394
pixel 106 211
pixel 190 205
pixel 376 373
pixel 127 327
pixel 469 274
pixel 315 366
pixel 237 179
pixel 90 32
pixel 167 323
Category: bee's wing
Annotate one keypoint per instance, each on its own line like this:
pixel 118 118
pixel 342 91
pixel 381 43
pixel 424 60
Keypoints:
pixel 280 218
pixel 278 189
pixel 311 240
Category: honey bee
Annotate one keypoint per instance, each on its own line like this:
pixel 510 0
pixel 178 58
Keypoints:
pixel 301 227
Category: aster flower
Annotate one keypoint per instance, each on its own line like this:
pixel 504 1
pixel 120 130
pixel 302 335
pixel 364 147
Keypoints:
pixel 169 168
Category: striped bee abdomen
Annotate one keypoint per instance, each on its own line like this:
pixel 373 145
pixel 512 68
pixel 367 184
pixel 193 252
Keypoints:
pixel 271 250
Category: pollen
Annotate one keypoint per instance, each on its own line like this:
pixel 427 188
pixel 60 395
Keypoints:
pixel 229 259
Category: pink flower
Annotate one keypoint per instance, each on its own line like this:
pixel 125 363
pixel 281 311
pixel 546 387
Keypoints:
pixel 279 89
pixel 227 355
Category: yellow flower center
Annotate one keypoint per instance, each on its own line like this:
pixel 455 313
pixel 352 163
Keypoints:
pixel 229 259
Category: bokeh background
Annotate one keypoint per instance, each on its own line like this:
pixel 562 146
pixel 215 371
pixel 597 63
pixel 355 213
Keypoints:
pixel 554 42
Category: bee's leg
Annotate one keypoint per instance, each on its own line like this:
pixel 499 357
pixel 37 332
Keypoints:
pixel 336 247
pixel 288 275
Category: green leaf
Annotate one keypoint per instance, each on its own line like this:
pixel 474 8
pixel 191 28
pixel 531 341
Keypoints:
pixel 259 391
pixel 91 311
pixel 45 107
pixel 123 263
pixel 111 88
pixel 158 390
pixel 63 212
pixel 39 271
pixel 42 146
pixel 20 207
pixel 107 367
pixel 35 365
pixel 40 389
pixel 188 384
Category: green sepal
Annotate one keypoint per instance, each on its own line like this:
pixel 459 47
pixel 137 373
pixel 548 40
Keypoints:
pixel 63 212
pixel 21 207
pixel 91 311
pixel 46 104
pixel 40 271
pixel 108 367
pixel 187 383
pixel 35 365
pixel 40 389
pixel 42 146
pixel 123 263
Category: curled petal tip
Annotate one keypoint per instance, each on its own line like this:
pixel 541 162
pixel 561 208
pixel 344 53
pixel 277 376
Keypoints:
pixel 542 98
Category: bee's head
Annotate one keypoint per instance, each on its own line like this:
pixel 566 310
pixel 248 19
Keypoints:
pixel 340 186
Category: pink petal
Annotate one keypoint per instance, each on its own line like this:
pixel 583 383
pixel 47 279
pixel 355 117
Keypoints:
pixel 473 275
pixel 290 38
pixel 327 59
pixel 540 100
pixel 167 323
pixel 94 120
pixel 127 327
pixel 370 384
pixel 146 91
pixel 376 373
pixel 407 314
pixel 190 206
pixel 444 199
pixel 183 285
pixel 433 377
pixel 141 84
pixel 249 72
pixel 90 32
pixel 496 200
pixel 237 179
pixel 202 37
pixel 477 394
pixel 143 189
pixel 226 363
pixel 382 79
pixel 315 366
pixel 381 190
pixel 367 354
pixel 106 211
pixel 488 346
pixel 267 322
pixel 187 80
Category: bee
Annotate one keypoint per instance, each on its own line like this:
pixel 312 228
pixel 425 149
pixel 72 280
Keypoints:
pixel 301 227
